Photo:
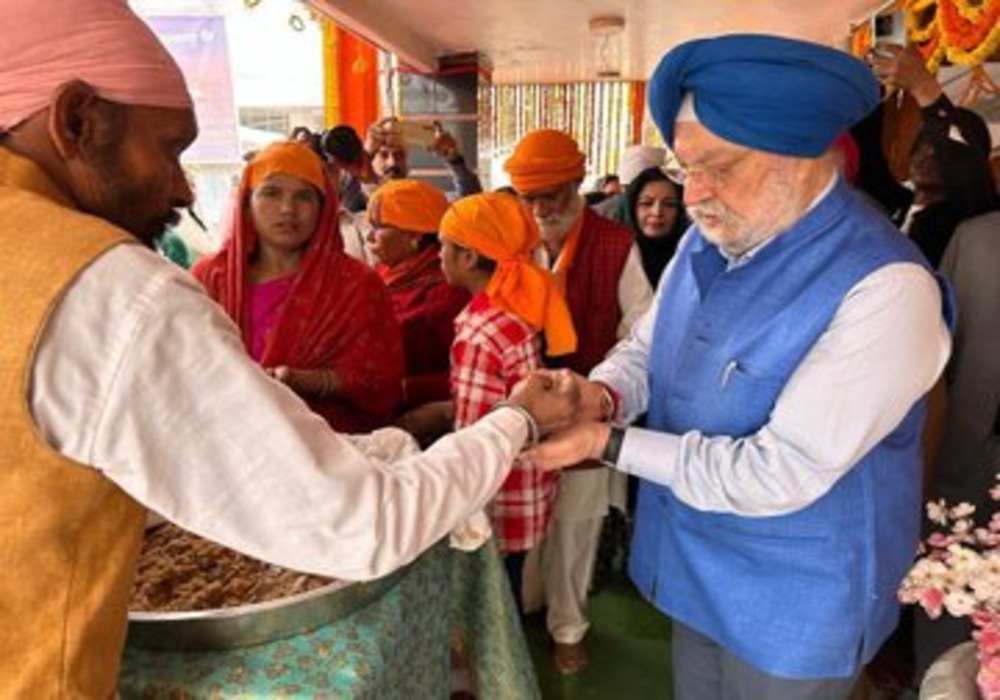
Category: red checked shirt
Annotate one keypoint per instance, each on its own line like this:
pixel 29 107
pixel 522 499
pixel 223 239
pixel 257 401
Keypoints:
pixel 492 350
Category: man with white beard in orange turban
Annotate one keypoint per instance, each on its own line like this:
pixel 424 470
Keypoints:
pixel 598 268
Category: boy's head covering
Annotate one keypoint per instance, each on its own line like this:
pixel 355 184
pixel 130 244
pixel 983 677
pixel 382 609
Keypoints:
pixel 495 225
pixel 102 42
pixel 769 93
pixel 545 158
pixel 635 159
pixel 295 158
pixel 409 205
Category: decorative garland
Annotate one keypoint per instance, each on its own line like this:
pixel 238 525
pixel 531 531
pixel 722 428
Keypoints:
pixel 601 116
pixel 966 32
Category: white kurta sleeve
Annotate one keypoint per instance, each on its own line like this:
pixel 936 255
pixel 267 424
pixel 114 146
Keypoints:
pixel 140 375
pixel 883 351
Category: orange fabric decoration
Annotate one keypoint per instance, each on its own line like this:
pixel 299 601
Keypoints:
pixel 638 109
pixel 564 263
pixel 357 68
pixel 545 158
pixel 409 205
pixel 350 77
pixel 497 226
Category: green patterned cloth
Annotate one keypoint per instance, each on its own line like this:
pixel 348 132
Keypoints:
pixel 396 647
pixel 487 626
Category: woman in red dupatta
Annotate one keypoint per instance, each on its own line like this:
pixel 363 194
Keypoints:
pixel 405 215
pixel 314 317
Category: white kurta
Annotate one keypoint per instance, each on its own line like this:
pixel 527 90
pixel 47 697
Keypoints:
pixel 141 376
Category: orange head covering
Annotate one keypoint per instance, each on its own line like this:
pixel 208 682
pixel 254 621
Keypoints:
pixel 497 226
pixel 545 158
pixel 101 42
pixel 408 205
pixel 293 158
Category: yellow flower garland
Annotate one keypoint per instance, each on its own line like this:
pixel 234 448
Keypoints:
pixel 963 31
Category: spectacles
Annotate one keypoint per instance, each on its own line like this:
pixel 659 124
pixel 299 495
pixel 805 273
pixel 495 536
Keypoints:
pixel 714 176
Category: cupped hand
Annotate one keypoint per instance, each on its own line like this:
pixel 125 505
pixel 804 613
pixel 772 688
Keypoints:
pixel 444 143
pixel 552 397
pixel 579 442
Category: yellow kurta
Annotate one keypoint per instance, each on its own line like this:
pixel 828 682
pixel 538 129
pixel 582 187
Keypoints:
pixel 68 536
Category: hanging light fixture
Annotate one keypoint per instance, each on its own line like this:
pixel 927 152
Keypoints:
pixel 606 31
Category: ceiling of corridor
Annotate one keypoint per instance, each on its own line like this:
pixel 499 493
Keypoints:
pixel 528 41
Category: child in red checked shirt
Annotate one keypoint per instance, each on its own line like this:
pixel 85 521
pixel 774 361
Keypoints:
pixel 487 244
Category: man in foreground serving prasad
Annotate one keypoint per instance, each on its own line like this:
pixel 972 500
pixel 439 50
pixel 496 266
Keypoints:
pixel 124 387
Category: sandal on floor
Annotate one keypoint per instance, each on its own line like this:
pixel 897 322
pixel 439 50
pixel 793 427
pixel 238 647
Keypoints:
pixel 569 658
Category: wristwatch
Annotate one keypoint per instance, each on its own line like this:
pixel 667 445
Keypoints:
pixel 613 447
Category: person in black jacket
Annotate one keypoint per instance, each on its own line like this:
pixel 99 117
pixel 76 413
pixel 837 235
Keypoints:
pixel 949 162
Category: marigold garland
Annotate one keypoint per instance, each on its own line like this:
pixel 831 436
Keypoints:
pixel 963 33
pixel 966 32
pixel 972 11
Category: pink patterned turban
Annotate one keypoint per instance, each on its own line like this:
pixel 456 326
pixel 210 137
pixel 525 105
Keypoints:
pixel 102 42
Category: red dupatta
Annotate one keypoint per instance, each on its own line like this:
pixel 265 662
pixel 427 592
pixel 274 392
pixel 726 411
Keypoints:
pixel 337 316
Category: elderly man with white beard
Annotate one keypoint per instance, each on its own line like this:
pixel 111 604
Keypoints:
pixel 783 368
pixel 598 267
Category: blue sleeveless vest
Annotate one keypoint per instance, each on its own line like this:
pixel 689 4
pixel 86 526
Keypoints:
pixel 812 593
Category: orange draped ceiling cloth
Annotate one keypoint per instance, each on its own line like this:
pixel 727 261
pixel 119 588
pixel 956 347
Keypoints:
pixel 965 32
pixel 350 79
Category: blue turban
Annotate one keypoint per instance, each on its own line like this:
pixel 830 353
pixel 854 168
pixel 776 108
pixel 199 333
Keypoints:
pixel 768 93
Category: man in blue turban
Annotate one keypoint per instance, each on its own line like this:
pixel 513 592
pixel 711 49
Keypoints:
pixel 783 368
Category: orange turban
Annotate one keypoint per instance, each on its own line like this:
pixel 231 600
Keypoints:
pixel 408 205
pixel 293 158
pixel 497 226
pixel 545 158
pixel 101 42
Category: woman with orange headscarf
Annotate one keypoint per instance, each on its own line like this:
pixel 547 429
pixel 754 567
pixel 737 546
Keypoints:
pixel 317 319
pixel 405 215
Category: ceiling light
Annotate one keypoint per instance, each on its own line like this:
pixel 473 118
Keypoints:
pixel 606 31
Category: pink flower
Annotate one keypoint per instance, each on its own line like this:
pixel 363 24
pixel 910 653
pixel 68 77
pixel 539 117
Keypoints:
pixel 932 600
pixel 988 640
pixel 939 540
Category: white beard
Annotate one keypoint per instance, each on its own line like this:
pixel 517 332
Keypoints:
pixel 774 210
pixel 554 227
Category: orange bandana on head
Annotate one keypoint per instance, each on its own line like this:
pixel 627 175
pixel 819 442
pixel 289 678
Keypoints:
pixel 408 205
pixel 293 158
pixel 497 226
pixel 545 158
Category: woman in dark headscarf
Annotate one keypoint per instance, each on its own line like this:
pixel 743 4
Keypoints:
pixel 951 176
pixel 653 210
